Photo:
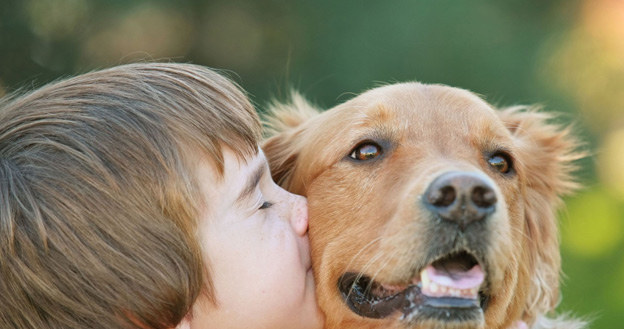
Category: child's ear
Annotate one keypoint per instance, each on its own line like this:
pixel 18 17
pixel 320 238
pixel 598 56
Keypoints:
pixel 545 153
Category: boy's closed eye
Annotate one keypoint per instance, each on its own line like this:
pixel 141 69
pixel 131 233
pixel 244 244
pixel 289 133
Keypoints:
pixel 252 183
pixel 266 205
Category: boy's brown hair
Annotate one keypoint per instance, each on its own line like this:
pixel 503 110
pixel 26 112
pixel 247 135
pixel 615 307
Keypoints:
pixel 97 195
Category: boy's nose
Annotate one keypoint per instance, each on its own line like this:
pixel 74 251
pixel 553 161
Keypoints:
pixel 299 215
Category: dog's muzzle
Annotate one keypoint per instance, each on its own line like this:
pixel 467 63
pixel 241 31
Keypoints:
pixel 450 284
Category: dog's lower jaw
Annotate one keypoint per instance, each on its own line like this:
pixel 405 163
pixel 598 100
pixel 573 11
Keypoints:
pixel 408 308
pixel 440 318
pixel 396 323
pixel 431 324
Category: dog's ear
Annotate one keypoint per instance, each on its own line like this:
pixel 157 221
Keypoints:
pixel 547 150
pixel 282 152
pixel 284 127
pixel 545 153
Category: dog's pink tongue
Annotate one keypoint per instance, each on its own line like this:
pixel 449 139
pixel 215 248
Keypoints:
pixel 451 282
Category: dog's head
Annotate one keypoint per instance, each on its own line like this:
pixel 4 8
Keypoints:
pixel 428 207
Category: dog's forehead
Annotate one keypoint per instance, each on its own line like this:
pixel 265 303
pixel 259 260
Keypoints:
pixel 422 99
pixel 427 108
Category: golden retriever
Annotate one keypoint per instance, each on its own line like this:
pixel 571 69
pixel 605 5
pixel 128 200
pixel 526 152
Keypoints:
pixel 428 207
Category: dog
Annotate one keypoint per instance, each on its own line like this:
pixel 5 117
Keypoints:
pixel 428 207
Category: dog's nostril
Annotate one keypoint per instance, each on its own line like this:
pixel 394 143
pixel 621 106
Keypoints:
pixel 442 197
pixel 461 197
pixel 483 197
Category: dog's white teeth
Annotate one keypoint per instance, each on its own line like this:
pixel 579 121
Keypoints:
pixel 439 289
pixel 435 290
pixel 424 278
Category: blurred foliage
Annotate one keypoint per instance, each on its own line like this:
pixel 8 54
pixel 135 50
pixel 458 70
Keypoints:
pixel 565 54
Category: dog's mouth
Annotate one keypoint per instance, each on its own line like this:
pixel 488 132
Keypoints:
pixel 451 288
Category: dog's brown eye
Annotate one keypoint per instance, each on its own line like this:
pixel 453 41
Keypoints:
pixel 500 162
pixel 365 151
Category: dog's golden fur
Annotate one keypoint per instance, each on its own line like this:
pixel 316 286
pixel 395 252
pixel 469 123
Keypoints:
pixel 365 217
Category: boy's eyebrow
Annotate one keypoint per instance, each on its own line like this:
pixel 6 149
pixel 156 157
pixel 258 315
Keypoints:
pixel 251 184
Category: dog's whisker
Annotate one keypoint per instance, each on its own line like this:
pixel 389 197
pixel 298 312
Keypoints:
pixel 368 245
pixel 521 232
pixel 368 265
pixel 363 270
pixel 381 268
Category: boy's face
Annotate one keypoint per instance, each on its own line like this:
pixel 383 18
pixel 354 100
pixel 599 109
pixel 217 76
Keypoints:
pixel 254 238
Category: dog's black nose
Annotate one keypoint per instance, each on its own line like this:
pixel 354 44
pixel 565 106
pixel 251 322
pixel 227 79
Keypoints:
pixel 461 197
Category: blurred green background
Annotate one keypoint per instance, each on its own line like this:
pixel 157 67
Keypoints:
pixel 565 54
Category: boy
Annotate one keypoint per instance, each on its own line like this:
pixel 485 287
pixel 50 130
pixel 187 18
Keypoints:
pixel 137 197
